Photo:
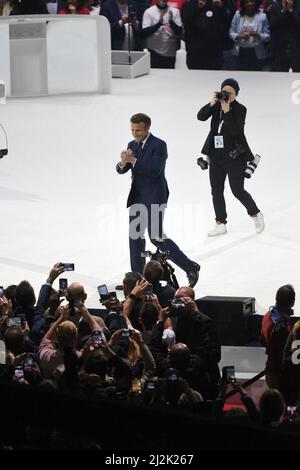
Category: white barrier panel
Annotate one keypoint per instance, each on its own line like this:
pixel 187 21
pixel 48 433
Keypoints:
pixel 54 54
pixel 2 92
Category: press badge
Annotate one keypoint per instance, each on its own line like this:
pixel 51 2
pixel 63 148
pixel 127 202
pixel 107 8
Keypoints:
pixel 219 142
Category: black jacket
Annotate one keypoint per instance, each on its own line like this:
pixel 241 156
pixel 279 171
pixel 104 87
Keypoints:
pixel 232 129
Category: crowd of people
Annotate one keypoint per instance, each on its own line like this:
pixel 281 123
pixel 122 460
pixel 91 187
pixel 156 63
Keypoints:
pixel 154 347
pixel 218 34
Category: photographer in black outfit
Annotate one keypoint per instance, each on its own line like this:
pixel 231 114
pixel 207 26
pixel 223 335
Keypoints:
pixel 228 151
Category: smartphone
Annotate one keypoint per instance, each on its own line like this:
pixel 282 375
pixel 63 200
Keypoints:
pixel 228 373
pixel 150 385
pixel 172 375
pixel 19 372
pixel 148 291
pixel 103 292
pixel 68 266
pixel 28 361
pixel 126 333
pixel 16 321
pixel 291 410
pixel 97 337
pixel 1 292
pixel 63 284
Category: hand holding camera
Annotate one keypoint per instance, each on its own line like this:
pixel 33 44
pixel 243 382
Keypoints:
pixel 57 269
pixel 177 308
pixel 225 105
pixel 190 306
pixel 214 99
pixel 140 287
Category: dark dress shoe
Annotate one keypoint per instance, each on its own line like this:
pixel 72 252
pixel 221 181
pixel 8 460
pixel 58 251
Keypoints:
pixel 193 274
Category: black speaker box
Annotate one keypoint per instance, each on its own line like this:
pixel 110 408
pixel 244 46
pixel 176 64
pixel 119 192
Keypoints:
pixel 230 315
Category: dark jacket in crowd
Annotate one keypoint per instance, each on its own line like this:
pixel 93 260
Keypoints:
pixel 285 37
pixel 35 316
pixel 111 11
pixel 204 28
pixel 200 335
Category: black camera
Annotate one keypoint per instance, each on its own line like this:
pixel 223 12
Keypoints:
pixel 222 95
pixel 235 153
pixel 177 308
pixel 162 257
pixel 202 163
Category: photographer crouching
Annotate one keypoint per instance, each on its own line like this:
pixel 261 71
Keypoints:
pixel 228 152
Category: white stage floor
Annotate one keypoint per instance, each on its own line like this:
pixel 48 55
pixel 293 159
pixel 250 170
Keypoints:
pixel 61 199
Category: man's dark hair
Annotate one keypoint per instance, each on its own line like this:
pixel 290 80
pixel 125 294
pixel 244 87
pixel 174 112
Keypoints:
pixel 271 406
pixel 141 117
pixel 149 315
pixel 131 279
pixel 285 298
pixel 14 340
pixel 153 272
pixel 24 295
pixel 96 363
pixel 243 7
pixel 10 293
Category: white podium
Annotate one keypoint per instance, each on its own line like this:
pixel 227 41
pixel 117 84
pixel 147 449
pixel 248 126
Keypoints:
pixel 125 65
pixel 54 54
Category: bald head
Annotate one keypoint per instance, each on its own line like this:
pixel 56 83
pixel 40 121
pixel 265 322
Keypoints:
pixel 185 292
pixel 179 356
pixel 76 291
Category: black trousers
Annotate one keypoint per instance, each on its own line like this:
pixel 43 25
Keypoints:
pixel 161 62
pixel 207 60
pixel 219 168
pixel 153 223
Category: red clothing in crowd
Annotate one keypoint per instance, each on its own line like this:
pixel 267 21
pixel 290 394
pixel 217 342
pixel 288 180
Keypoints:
pixel 82 11
pixel 273 336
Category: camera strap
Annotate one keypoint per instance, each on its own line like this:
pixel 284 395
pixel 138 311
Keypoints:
pixel 221 121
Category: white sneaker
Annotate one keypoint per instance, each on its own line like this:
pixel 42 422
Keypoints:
pixel 219 229
pixel 259 222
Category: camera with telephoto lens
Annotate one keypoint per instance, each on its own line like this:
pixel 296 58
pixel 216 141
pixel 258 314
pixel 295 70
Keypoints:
pixel 161 257
pixel 202 163
pixel 251 166
pixel 222 95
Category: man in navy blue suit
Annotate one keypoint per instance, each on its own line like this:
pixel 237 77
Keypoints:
pixel 146 158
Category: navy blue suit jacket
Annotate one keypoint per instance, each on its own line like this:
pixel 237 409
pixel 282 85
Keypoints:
pixel 111 11
pixel 149 185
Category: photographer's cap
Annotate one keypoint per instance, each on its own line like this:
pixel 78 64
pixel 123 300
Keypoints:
pixel 233 83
